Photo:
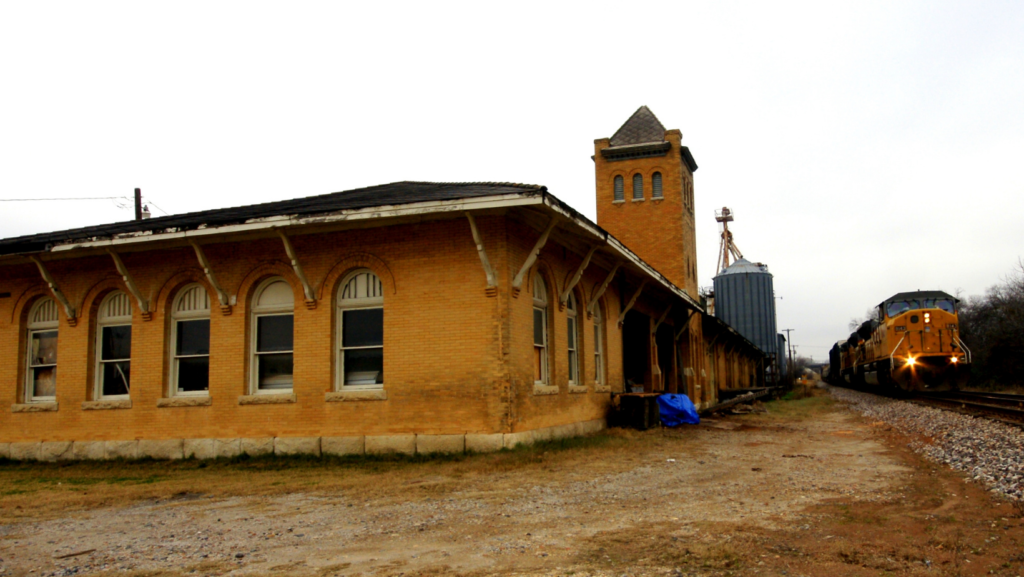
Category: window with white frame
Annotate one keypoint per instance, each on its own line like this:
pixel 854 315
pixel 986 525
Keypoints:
pixel 638 187
pixel 114 347
pixel 360 335
pixel 190 342
pixel 272 337
pixel 598 345
pixel 620 194
pixel 656 185
pixel 540 330
pixel 572 340
pixel 41 374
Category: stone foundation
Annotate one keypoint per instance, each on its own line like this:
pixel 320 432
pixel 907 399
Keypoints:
pixel 170 449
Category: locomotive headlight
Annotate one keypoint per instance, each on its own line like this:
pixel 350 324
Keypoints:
pixel 910 361
pixel 927 317
pixel 953 360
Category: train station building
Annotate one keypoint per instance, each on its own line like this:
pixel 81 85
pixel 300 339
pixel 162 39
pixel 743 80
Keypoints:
pixel 408 317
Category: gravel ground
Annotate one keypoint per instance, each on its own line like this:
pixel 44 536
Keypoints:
pixel 989 452
pixel 716 472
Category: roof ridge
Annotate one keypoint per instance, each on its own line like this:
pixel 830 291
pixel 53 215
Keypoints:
pixel 395 193
pixel 476 183
pixel 642 127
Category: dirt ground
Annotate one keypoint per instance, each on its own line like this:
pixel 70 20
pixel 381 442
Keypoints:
pixel 806 489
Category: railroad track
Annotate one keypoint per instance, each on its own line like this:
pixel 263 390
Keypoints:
pixel 998 406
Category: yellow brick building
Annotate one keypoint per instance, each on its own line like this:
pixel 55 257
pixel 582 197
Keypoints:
pixel 409 317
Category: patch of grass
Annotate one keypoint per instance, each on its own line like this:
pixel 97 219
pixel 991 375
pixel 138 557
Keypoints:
pixel 804 407
pixel 40 490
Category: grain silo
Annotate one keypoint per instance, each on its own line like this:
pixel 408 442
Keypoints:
pixel 745 299
pixel 745 295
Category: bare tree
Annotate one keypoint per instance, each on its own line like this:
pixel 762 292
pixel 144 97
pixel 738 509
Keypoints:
pixel 993 327
pixel 871 313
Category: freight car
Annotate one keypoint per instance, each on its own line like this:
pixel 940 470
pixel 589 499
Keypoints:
pixel 912 344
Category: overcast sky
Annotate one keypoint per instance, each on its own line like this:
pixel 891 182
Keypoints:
pixel 866 148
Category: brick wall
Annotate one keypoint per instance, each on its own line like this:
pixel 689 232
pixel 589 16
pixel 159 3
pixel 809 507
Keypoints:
pixel 660 231
pixel 442 339
pixel 455 360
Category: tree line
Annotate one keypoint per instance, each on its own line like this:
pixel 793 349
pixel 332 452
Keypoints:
pixel 992 326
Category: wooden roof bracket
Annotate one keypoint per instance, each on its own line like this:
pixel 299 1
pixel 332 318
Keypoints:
pixel 632 301
pixel 710 348
pixel 576 278
pixel 57 294
pixel 492 277
pixel 307 289
pixel 517 282
pixel 600 290
pixel 686 326
pixel 664 315
pixel 222 296
pixel 129 282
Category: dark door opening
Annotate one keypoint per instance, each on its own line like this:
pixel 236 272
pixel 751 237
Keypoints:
pixel 636 354
pixel 665 339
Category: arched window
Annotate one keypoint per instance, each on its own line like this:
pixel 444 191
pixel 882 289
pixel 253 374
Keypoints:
pixel 620 194
pixel 41 381
pixel 598 345
pixel 573 338
pixel 272 337
pixel 656 186
pixel 540 330
pixel 190 342
pixel 361 331
pixel 114 347
pixel 638 187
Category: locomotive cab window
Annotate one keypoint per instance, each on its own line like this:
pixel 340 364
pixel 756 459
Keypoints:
pixel 899 307
pixel 943 304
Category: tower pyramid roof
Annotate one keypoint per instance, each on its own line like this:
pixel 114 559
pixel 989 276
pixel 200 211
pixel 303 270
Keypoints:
pixel 641 128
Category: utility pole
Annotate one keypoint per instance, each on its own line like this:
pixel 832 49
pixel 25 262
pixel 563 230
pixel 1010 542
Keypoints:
pixel 789 348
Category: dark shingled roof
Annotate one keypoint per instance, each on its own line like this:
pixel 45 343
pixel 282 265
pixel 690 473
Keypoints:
pixel 396 193
pixel 920 295
pixel 641 128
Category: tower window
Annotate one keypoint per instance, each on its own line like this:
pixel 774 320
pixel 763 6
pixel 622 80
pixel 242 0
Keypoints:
pixel 656 185
pixel 620 194
pixel 638 187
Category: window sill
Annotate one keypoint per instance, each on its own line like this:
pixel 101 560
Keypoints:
pixel 637 200
pixel 623 201
pixel 107 404
pixel 267 399
pixel 184 402
pixel 602 389
pixel 350 396
pixel 42 407
pixel 578 389
pixel 539 389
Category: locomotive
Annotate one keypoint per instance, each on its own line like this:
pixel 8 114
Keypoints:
pixel 912 344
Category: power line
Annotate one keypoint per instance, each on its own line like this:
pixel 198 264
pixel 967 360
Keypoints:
pixel 124 206
pixel 70 198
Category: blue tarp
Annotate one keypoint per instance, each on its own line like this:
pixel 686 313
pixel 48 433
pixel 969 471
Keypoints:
pixel 677 410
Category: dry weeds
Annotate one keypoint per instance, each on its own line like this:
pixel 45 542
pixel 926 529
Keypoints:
pixel 927 520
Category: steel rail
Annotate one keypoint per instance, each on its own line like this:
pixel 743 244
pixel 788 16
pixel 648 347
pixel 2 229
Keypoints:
pixel 998 406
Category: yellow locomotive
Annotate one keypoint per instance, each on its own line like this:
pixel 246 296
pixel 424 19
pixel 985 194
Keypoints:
pixel 912 344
